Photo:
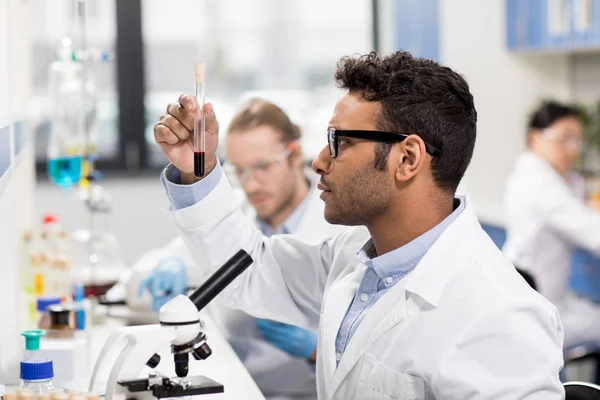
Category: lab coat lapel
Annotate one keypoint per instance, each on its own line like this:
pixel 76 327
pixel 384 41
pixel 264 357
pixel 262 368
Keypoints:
pixel 427 281
pixel 338 299
pixel 387 312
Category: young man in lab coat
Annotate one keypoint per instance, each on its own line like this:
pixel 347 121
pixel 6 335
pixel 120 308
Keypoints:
pixel 420 304
pixel 546 220
pixel 281 196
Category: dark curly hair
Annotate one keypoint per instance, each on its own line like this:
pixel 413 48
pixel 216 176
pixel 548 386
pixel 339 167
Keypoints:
pixel 417 96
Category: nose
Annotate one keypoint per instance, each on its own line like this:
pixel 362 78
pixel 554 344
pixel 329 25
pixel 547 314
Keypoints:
pixel 250 184
pixel 322 164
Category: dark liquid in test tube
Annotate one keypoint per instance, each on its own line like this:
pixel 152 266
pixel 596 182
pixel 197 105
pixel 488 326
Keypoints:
pixel 199 164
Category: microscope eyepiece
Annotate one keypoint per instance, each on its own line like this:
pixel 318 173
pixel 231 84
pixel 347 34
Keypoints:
pixel 221 279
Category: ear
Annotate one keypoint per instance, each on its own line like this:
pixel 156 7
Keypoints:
pixel 532 136
pixel 410 158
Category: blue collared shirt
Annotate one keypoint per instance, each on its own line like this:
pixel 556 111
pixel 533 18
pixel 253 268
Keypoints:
pixel 182 196
pixel 382 273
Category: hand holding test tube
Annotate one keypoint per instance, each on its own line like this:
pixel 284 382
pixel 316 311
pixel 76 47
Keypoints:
pixel 175 132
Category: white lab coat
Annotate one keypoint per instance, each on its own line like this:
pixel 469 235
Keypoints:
pixel 463 325
pixel 278 375
pixel 545 221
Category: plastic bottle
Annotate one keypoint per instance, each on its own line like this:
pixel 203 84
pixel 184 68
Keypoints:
pixel 79 296
pixel 36 375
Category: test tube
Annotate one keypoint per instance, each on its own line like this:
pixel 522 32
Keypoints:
pixel 199 121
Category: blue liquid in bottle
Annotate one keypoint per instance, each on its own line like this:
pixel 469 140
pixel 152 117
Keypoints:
pixel 65 171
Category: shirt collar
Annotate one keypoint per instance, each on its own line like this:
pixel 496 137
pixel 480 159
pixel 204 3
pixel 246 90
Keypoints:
pixel 401 261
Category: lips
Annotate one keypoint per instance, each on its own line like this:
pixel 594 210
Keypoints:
pixel 323 187
pixel 259 200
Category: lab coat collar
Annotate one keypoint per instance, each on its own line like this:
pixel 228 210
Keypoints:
pixel 427 281
pixel 445 256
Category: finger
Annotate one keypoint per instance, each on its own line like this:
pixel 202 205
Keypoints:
pixel 210 119
pixel 158 302
pixel 163 134
pixel 157 288
pixel 188 102
pixel 142 287
pixel 184 116
pixel 176 127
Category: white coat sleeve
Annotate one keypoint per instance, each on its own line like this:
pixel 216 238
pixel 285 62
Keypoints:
pixel 288 277
pixel 572 219
pixel 508 353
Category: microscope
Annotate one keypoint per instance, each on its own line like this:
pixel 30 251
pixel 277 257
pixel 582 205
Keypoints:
pixel 180 326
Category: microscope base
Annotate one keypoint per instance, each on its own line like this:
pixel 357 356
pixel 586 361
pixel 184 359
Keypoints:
pixel 198 385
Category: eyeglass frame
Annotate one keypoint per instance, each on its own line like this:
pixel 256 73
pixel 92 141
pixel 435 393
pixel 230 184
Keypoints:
pixel 377 136
pixel 251 170
pixel 565 140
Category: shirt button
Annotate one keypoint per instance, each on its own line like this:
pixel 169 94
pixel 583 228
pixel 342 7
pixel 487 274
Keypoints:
pixel 364 297
pixel 338 356
pixel 389 279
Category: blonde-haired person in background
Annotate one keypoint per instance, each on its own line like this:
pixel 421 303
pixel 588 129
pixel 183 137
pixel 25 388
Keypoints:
pixel 265 158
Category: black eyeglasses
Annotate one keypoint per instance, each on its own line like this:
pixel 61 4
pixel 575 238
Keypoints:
pixel 377 136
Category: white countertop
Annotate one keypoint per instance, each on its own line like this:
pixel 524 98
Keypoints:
pixel 222 366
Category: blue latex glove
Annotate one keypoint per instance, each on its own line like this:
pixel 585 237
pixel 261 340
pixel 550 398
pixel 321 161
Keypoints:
pixel 295 341
pixel 167 280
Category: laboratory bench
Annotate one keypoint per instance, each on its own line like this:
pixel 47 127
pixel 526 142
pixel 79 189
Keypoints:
pixel 222 366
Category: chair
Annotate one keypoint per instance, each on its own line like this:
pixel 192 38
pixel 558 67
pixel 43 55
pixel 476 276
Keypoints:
pixel 581 391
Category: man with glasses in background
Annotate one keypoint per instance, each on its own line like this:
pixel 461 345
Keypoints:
pixel 264 157
pixel 416 302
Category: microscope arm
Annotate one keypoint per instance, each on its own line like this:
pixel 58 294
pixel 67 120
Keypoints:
pixel 142 342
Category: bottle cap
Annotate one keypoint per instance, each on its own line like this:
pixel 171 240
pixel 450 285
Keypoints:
pixel 36 369
pixel 44 302
pixel 32 338
pixel 49 218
